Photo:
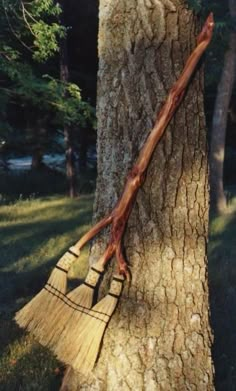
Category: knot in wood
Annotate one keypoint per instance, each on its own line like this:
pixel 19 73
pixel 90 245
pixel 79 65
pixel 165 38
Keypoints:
pixel 136 176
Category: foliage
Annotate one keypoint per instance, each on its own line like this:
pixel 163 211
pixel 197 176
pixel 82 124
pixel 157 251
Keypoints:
pixel 46 39
pixel 30 36
pixel 69 111
pixel 47 93
pixel 35 25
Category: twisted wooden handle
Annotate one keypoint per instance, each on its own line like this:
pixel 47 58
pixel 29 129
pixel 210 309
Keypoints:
pixel 120 214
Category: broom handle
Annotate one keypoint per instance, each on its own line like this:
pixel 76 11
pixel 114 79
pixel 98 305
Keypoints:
pixel 137 175
pixel 119 215
pixel 93 232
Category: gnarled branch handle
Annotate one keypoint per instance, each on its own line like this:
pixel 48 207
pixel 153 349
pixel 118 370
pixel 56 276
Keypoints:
pixel 120 214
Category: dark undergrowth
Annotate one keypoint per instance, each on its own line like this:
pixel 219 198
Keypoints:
pixel 37 183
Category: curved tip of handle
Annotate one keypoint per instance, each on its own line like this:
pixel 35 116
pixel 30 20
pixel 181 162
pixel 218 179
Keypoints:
pixel 210 20
pixel 207 29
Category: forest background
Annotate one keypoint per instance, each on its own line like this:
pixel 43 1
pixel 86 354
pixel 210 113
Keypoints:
pixel 48 67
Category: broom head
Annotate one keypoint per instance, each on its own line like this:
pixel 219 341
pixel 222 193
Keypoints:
pixel 60 324
pixel 32 315
pixel 83 350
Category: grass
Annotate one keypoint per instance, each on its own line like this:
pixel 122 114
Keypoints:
pixel 222 281
pixel 34 233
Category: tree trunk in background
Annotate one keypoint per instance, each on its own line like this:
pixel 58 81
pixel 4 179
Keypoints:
pixel 38 135
pixel 37 159
pixel 159 338
pixel 70 155
pixel 219 123
pixel 83 149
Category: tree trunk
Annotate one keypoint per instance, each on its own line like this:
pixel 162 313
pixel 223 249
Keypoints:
pixel 38 132
pixel 219 122
pixel 70 155
pixel 83 149
pixel 37 159
pixel 159 337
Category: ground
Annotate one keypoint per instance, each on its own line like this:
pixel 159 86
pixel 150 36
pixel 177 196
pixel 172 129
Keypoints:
pixel 34 232
pixel 222 281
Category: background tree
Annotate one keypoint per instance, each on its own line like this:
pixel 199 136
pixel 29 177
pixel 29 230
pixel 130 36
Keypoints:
pixel 220 116
pixel 69 144
pixel 159 338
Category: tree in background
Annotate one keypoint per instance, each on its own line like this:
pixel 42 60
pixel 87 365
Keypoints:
pixel 69 144
pixel 220 116
pixel 159 337
pixel 220 73
pixel 30 40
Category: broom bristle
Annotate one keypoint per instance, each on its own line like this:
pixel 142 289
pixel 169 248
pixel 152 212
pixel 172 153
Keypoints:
pixel 83 349
pixel 58 326
pixel 32 314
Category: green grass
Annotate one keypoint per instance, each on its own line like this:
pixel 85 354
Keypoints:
pixel 222 281
pixel 34 234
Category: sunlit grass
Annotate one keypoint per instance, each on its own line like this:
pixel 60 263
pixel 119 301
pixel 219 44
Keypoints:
pixel 222 279
pixel 34 234
pixel 222 246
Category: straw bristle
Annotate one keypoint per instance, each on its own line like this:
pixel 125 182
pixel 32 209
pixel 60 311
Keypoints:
pixel 58 326
pixel 32 315
pixel 83 349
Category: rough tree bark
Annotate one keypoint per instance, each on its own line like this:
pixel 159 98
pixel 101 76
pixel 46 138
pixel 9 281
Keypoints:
pixel 219 123
pixel 159 337
pixel 64 77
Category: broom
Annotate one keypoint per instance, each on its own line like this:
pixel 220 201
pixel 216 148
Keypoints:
pixel 44 308
pixel 83 346
pixel 69 308
pixel 80 349
pixel 35 313
pixel 51 326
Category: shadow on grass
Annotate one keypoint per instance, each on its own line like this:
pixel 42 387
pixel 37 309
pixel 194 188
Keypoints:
pixel 18 285
pixel 34 236
pixel 222 281
pixel 13 331
pixel 32 369
pixel 29 241
pixel 26 225
pixel 26 239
